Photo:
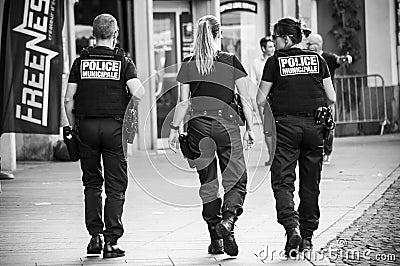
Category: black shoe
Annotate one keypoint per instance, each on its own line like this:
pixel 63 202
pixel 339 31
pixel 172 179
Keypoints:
pixel 216 247
pixel 292 242
pixel 95 245
pixel 225 230
pixel 112 251
pixel 305 244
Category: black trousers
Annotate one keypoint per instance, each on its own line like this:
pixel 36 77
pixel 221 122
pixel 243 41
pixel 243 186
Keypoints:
pixel 206 137
pixel 299 139
pixel 328 144
pixel 102 139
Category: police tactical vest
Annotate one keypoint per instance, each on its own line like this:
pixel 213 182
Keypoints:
pixel 298 87
pixel 102 87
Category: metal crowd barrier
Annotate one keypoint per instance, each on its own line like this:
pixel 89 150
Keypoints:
pixel 361 99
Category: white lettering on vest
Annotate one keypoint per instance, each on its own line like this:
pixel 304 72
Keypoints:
pixel 100 69
pixel 298 65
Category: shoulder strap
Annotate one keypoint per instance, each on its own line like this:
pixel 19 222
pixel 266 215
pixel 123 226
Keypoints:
pixel 119 54
pixel 85 52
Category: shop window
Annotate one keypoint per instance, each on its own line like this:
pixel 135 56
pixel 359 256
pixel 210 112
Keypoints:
pixel 242 28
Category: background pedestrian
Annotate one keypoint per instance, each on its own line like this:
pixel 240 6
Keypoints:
pixel 267 48
pixel 334 61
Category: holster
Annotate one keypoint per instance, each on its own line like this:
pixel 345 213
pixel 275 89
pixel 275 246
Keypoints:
pixel 185 149
pixel 324 116
pixel 71 142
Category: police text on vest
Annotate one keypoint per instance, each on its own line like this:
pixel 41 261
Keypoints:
pixel 297 65
pixel 100 69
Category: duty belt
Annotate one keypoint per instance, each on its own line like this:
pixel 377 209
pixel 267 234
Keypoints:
pixel 218 112
pixel 82 117
pixel 296 114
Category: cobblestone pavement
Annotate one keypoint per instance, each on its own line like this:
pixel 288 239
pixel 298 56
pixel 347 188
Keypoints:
pixel 374 238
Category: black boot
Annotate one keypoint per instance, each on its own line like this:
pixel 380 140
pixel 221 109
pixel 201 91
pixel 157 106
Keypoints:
pixel 306 244
pixel 292 242
pixel 95 245
pixel 225 230
pixel 112 250
pixel 216 247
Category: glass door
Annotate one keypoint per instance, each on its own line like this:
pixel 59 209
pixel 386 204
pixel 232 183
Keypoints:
pixel 166 59
pixel 173 39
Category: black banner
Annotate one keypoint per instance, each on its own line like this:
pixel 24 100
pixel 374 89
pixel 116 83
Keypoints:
pixel 32 66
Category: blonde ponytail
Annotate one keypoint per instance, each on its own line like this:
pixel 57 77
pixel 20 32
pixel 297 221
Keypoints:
pixel 204 48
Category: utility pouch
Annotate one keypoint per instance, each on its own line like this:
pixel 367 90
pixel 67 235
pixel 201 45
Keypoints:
pixel 185 149
pixel 131 122
pixel 71 142
pixel 324 116
pixel 237 106
pixel 234 111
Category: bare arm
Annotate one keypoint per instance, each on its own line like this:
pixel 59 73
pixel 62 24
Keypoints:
pixel 136 88
pixel 263 92
pixel 69 102
pixel 253 88
pixel 182 106
pixel 329 91
pixel 179 115
pixel 244 88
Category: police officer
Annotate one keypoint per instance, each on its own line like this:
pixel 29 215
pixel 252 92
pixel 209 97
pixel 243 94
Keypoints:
pixel 299 81
pixel 101 83
pixel 208 78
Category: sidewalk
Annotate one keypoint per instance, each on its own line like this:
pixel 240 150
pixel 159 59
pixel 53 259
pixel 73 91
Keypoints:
pixel 42 215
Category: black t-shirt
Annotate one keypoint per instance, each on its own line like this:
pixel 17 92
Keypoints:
pixel 297 77
pixel 212 91
pixel 129 72
pixel 331 61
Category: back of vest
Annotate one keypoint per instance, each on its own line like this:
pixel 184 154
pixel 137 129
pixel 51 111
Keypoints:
pixel 101 88
pixel 298 84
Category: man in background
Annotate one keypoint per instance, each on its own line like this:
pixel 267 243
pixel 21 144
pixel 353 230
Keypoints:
pixel 267 48
pixel 334 61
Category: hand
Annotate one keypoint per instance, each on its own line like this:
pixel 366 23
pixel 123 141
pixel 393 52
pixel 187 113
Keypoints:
pixel 271 151
pixel 173 140
pixel 349 59
pixel 248 139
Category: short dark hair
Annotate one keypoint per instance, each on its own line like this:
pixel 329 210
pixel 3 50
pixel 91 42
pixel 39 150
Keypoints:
pixel 104 26
pixel 264 41
pixel 290 27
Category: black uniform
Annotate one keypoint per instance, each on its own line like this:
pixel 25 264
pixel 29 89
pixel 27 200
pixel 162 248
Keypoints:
pixel 100 102
pixel 208 131
pixel 297 91
pixel 331 61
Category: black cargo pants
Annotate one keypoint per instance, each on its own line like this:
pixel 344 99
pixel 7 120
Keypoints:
pixel 102 139
pixel 300 139
pixel 206 136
